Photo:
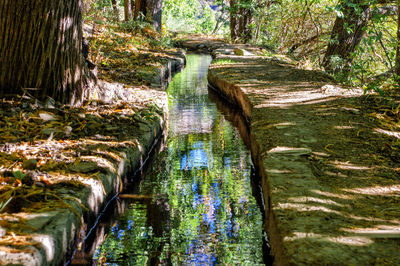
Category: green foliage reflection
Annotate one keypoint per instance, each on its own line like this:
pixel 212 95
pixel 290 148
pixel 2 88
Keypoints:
pixel 200 209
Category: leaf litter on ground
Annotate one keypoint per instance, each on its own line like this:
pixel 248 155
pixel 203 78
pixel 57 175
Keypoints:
pixel 46 150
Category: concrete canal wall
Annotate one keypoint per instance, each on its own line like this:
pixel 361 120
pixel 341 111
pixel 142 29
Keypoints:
pixel 50 237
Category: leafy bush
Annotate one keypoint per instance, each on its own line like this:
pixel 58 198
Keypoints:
pixel 189 16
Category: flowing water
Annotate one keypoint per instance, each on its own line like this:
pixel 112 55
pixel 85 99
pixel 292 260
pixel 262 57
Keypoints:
pixel 196 205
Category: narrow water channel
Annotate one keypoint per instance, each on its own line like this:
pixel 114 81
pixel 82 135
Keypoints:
pixel 195 206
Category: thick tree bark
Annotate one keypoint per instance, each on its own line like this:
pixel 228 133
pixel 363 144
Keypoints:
pixel 127 10
pixel 151 10
pixel 154 12
pixel 115 9
pixel 41 49
pixel 347 33
pixel 140 8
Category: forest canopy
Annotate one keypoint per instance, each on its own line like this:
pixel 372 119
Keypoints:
pixel 355 40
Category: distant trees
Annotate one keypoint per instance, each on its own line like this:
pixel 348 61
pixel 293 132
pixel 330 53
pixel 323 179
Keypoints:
pixel 41 49
pixel 115 9
pixel 246 18
pixel 195 15
pixel 41 43
pixel 128 7
pixel 241 17
pixel 350 28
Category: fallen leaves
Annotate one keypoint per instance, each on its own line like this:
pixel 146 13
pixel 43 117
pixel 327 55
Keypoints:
pixel 49 153
pixel 37 153
pixel 128 58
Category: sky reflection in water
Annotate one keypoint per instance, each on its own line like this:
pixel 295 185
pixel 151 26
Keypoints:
pixel 200 209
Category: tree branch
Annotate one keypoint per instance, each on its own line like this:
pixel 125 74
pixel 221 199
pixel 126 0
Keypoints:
pixel 306 41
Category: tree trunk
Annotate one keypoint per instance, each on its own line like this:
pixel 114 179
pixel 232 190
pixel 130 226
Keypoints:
pixel 127 10
pixel 151 10
pixel 306 41
pixel 115 9
pixel 41 49
pixel 264 7
pixel 221 19
pixel 347 33
pixel 154 12
pixel 234 21
pixel 133 8
pixel 140 8
pixel 220 22
pixel 245 19
pixel 258 28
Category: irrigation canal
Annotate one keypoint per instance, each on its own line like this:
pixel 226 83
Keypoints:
pixel 196 205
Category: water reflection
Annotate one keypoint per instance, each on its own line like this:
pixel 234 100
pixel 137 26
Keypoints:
pixel 198 207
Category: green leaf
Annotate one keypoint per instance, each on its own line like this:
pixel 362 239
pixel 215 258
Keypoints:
pixel 4 204
pixel 18 174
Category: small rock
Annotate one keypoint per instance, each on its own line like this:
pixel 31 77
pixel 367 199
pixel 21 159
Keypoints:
pixel 45 116
pixel 30 164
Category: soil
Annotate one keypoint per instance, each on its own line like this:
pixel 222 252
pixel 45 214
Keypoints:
pixel 329 158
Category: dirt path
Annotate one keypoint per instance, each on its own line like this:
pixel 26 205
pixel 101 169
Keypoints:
pixel 329 165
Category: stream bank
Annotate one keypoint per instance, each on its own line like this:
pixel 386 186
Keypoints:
pixel 60 166
pixel 329 178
